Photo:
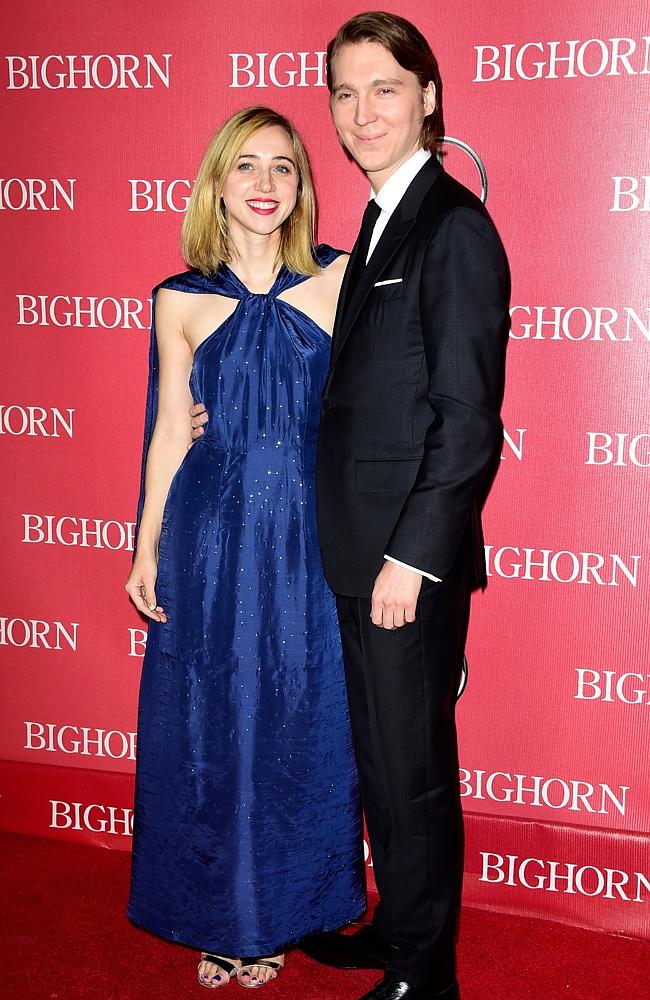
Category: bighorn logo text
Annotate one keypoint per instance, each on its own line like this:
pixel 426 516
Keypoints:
pixel 38 634
pixel 546 565
pixel 608 685
pixel 572 794
pixel 619 449
pixel 36 194
pixel 106 312
pixel 85 532
pixel 95 817
pixel 36 421
pixel 564 876
pixel 631 194
pixel 87 72
pixel 159 195
pixel 83 740
pixel 602 323
pixel 282 69
pixel 567 60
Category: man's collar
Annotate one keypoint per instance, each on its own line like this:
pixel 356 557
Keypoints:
pixel 391 193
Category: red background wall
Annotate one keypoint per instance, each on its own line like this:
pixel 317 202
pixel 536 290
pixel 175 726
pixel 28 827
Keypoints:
pixel 560 685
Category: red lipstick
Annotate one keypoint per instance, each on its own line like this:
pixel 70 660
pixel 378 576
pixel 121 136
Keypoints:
pixel 257 206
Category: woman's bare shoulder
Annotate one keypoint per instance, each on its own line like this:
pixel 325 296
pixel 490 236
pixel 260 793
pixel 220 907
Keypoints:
pixel 171 304
pixel 338 265
pixel 334 272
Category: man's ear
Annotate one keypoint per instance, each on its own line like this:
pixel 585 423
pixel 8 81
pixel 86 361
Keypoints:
pixel 429 98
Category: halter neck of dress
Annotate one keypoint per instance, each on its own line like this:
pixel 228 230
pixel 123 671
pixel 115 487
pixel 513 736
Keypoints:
pixel 222 282
pixel 225 282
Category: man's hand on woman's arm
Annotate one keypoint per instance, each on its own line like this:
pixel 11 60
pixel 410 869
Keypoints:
pixel 199 416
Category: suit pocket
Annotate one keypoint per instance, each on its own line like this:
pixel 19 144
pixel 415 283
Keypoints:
pixel 396 475
pixel 381 293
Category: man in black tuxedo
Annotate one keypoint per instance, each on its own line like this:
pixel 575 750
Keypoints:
pixel 409 431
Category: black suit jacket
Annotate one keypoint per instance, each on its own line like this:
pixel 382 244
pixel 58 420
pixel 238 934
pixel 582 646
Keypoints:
pixel 410 420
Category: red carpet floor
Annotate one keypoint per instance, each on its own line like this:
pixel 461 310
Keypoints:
pixel 65 937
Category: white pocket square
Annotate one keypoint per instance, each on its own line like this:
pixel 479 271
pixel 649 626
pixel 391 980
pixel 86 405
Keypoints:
pixel 388 281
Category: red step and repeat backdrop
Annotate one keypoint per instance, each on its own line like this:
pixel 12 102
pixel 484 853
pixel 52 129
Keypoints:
pixel 107 109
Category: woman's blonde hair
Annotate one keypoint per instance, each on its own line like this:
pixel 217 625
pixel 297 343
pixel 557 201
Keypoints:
pixel 205 237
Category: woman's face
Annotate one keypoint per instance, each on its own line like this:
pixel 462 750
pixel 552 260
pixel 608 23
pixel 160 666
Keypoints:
pixel 261 190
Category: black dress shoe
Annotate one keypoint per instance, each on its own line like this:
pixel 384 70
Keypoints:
pixel 393 988
pixel 365 949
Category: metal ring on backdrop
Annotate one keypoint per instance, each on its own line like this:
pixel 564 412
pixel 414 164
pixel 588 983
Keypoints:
pixel 464 676
pixel 478 163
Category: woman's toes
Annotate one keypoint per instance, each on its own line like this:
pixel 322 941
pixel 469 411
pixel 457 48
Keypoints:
pixel 264 974
pixel 207 971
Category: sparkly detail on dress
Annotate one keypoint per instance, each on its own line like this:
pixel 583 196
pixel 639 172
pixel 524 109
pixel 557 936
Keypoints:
pixel 247 824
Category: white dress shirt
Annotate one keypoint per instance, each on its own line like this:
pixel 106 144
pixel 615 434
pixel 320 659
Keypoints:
pixel 388 198
pixel 392 191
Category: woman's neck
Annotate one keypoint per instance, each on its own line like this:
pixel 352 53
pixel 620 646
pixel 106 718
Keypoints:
pixel 255 259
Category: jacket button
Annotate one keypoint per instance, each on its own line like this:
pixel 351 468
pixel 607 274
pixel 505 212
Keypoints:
pixel 328 404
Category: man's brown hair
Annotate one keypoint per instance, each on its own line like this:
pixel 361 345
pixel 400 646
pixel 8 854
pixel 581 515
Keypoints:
pixel 408 47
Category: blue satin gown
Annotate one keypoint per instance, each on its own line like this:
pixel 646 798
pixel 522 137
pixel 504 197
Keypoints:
pixel 247 824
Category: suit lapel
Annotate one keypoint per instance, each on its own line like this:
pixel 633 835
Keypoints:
pixel 343 297
pixel 396 231
pixel 351 300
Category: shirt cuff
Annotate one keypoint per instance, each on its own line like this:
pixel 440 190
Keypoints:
pixel 429 576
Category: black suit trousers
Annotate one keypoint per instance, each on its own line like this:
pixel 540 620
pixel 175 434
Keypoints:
pixel 402 688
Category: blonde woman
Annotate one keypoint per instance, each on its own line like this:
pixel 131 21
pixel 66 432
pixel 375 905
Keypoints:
pixel 247 827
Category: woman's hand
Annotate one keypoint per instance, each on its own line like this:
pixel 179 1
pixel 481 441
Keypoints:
pixel 141 587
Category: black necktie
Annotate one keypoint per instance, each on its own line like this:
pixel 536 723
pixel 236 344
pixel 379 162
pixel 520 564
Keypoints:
pixel 370 216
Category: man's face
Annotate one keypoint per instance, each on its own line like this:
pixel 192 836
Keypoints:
pixel 377 108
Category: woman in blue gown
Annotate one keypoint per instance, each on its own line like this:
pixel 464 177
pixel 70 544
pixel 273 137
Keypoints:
pixel 247 824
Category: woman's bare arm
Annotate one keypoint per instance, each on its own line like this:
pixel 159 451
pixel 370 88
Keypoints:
pixel 169 443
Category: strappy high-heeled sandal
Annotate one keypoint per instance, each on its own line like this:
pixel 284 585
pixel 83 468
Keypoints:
pixel 263 963
pixel 223 964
